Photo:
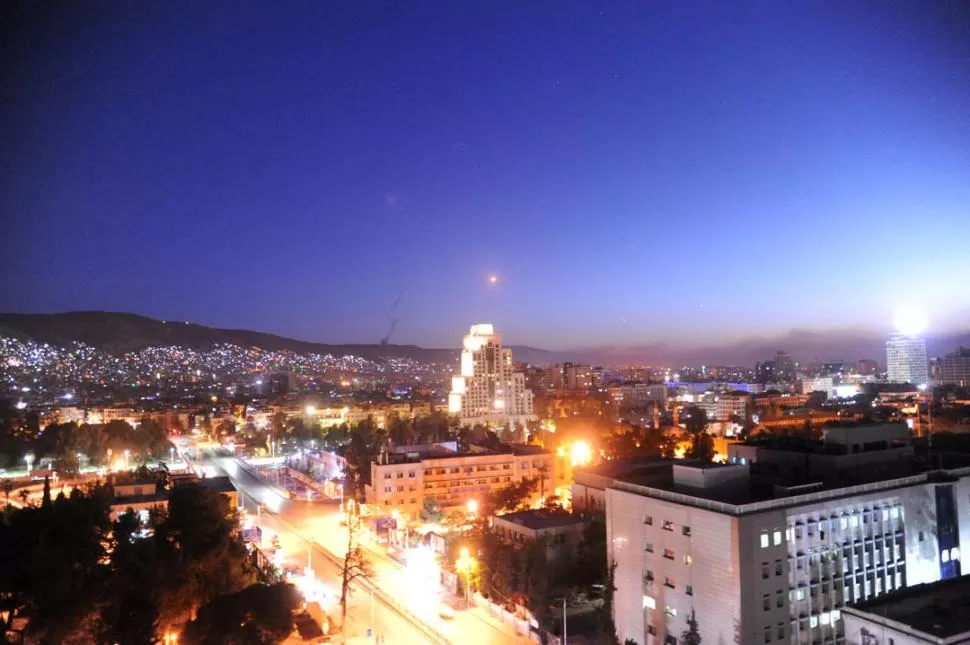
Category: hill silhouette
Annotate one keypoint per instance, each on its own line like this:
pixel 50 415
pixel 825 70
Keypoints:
pixel 118 333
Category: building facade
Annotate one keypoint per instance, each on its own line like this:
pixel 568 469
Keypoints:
pixel 488 391
pixel 403 482
pixel 954 369
pixel 906 360
pixel 777 568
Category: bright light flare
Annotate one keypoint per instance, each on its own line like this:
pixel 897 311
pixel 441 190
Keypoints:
pixel 493 280
pixel 910 321
pixel 581 454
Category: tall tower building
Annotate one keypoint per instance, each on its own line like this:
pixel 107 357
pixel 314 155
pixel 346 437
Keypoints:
pixel 488 391
pixel 785 367
pixel 906 360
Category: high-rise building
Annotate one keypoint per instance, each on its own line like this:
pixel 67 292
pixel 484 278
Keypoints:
pixel 776 564
pixel 954 369
pixel 906 360
pixel 784 366
pixel 488 391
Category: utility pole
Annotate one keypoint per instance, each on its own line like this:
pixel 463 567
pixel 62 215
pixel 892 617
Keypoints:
pixel 373 624
pixel 564 641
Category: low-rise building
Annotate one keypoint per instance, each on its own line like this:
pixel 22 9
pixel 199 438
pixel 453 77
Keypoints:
pixel 562 531
pixel 403 482
pixel 927 614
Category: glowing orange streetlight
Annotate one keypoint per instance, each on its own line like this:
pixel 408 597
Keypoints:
pixel 472 506
pixel 466 565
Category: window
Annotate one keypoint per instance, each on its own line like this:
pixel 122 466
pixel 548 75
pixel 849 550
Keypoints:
pixel 686 531
pixel 648 520
pixel 669 554
pixel 813 621
pixel 411 474
pixel 781 631
pixel 649 576
pixel 649 602
pixel 767 634
pixel 689 590
pixel 766 602
pixel 955 553
pixel 651 630
pixel 387 489
pixel 670 640
pixel 669 582
pixel 670 611
pixel 400 475
pixel 400 489
pixel 668 525
pixel 825 618
pixel 649 548
pixel 778 567
pixel 764 571
pixel 776 537
pixel 688 560
pixel 387 475
pixel 779 599
pixel 764 539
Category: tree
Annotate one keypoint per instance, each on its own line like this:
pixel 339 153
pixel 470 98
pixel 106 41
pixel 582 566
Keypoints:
pixel 605 613
pixel 538 585
pixel 691 636
pixel 257 615
pixel 355 565
pixel 58 567
pixel 702 446
pixel 199 552
pixel 6 485
pixel 130 613
pixel 24 495
pixel 46 500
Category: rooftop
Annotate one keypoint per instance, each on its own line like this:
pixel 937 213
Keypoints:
pixel 744 495
pixel 937 609
pixel 542 518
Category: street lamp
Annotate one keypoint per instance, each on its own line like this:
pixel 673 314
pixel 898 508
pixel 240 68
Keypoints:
pixel 472 506
pixel 466 565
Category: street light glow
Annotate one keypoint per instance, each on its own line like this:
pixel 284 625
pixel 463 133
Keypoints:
pixel 472 506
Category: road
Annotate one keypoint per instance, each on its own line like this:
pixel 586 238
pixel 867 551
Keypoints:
pixel 363 612
pixel 300 524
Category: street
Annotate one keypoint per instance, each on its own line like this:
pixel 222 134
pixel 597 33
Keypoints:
pixel 303 525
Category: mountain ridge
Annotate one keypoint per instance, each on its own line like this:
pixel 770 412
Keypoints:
pixel 120 332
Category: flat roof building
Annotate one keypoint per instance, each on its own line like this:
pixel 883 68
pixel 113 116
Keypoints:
pixel 928 614
pixel 775 560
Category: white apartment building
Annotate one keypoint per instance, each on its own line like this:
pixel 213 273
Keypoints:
pixel 776 566
pixel 403 482
pixel 906 360
pixel 488 391
pixel 639 394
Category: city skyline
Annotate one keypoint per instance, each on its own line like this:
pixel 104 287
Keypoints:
pixel 592 176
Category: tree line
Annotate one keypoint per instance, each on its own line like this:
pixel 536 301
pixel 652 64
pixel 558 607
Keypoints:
pixel 78 577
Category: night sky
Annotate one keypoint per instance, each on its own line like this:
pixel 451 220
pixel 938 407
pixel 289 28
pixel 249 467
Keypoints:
pixel 630 171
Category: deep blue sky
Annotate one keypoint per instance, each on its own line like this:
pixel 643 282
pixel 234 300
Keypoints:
pixel 632 171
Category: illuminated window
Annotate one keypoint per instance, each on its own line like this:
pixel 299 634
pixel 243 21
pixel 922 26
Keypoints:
pixel 955 553
pixel 670 611
pixel 649 602
pixel 669 554
pixel 825 618
pixel 668 525
pixel 764 539
pixel 813 622
pixel 669 582
pixel 776 537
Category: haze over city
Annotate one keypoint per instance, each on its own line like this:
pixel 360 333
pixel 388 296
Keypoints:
pixel 633 173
